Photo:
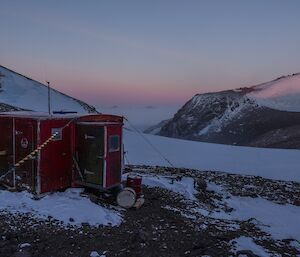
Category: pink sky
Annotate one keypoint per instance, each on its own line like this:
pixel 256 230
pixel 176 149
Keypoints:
pixel 149 52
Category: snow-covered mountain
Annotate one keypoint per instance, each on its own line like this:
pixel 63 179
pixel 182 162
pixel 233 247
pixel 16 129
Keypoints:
pixel 265 115
pixel 18 92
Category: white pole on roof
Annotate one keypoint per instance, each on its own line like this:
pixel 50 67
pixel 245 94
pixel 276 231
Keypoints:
pixel 49 102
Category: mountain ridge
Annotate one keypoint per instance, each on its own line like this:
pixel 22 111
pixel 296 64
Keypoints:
pixel 243 116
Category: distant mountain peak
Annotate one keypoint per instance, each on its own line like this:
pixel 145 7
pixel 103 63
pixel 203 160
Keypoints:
pixel 243 116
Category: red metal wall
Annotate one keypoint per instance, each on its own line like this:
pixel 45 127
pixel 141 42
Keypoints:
pixel 55 168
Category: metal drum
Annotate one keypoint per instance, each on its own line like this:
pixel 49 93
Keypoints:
pixel 126 198
pixel 135 182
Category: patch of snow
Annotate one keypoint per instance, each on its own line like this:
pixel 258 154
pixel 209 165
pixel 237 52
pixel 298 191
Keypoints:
pixel 268 163
pixel 247 243
pixel 183 186
pixel 61 206
pixel 214 187
pixel 279 226
pixel 296 244
pixel 96 254
pixel 24 245
pixel 205 129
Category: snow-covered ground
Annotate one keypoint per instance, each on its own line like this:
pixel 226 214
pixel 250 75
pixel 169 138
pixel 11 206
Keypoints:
pixel 268 163
pixel 185 186
pixel 19 91
pixel 69 207
pixel 242 243
pixel 276 220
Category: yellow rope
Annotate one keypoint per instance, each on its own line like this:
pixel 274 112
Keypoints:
pixel 34 152
pixel 39 148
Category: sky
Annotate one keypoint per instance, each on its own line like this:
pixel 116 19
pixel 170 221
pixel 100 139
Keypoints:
pixel 149 52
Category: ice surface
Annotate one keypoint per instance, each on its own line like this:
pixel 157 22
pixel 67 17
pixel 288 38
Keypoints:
pixel 268 163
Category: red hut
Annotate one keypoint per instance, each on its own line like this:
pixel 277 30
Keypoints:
pixel 74 150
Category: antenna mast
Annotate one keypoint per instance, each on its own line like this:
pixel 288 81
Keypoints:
pixel 49 100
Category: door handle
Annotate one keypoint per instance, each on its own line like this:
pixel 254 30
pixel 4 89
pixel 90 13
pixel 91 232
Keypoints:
pixel 88 172
pixel 89 137
pixel 3 152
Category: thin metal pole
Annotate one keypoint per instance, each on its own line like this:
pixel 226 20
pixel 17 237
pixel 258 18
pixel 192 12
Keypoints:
pixel 14 153
pixel 49 99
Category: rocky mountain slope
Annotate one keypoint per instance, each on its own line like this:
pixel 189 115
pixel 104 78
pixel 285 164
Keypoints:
pixel 265 115
pixel 18 92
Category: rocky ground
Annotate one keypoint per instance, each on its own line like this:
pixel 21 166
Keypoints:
pixel 166 225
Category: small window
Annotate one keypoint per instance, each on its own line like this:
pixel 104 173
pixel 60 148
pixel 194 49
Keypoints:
pixel 57 132
pixel 114 143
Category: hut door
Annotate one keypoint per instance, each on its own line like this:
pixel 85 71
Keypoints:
pixel 114 159
pixel 90 153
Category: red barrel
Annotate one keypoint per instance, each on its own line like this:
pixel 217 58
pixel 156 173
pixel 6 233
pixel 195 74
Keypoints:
pixel 135 182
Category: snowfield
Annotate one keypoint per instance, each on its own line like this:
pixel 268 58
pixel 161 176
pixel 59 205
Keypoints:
pixel 268 163
pixel 281 94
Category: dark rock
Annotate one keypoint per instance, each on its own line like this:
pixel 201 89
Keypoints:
pixel 297 202
pixel 201 184
pixel 3 243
